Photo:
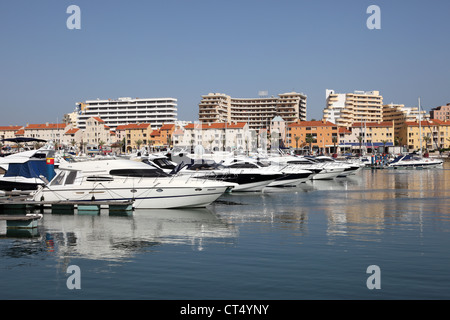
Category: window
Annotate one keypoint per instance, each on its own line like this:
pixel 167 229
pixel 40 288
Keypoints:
pixel 71 177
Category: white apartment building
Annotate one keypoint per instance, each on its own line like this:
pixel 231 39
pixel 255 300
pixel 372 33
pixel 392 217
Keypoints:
pixel 122 111
pixel 47 131
pixel 344 109
pixel 218 136
pixel 8 132
pixel 96 133
pixel 257 112
pixel 278 132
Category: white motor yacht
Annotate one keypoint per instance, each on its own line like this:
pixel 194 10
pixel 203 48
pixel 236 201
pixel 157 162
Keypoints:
pixel 247 179
pixel 121 179
pixel 350 168
pixel 411 161
pixel 291 175
pixel 26 170
pixel 323 171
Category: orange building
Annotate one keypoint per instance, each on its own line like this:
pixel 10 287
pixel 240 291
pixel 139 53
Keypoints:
pixel 320 132
pixel 155 139
pixel 136 135
pixel 166 132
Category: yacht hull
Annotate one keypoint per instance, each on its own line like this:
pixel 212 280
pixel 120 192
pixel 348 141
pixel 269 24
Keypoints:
pixel 244 182
pixel 158 196
pixel 19 183
pixel 291 180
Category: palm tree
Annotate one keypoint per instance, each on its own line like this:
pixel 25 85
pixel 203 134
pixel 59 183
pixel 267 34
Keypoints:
pixel 138 143
pixel 384 145
pixel 426 139
pixel 296 141
pixel 101 143
pixel 123 144
pixel 334 140
pixel 210 143
pixel 360 138
pixel 150 144
pixel 310 139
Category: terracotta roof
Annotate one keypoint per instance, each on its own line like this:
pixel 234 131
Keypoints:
pixel 155 133
pixel 433 122
pixel 312 124
pixel 121 127
pixel 344 130
pixel 167 126
pixel 21 132
pixel 216 125
pixel 98 119
pixel 373 124
pixel 72 131
pixel 440 122
pixel 178 132
pixel 10 128
pixel 44 126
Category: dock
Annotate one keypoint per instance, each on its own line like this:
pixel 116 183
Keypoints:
pixel 28 221
pixel 19 213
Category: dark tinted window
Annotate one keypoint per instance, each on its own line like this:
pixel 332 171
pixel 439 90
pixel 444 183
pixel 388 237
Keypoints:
pixel 152 173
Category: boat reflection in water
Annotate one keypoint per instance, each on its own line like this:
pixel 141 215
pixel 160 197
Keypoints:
pixel 121 237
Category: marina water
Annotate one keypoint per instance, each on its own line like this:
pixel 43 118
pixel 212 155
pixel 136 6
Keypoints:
pixel 311 242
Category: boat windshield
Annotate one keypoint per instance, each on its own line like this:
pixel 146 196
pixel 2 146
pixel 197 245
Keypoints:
pixel 243 165
pixel 162 163
pixel 145 173
pixel 205 166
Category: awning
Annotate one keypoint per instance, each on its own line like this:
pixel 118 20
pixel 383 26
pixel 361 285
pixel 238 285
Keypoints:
pixel 22 140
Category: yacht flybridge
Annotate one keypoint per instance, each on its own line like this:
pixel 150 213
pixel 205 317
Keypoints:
pixel 147 186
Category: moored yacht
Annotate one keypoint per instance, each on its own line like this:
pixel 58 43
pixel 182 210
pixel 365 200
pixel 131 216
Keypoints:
pixel 291 176
pixel 322 171
pixel 26 170
pixel 119 179
pixel 350 168
pixel 411 161
pixel 246 178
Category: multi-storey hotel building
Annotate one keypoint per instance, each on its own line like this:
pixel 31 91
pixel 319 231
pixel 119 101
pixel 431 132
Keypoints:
pixel 344 109
pixel 399 114
pixel 257 112
pixel 122 111
pixel 441 113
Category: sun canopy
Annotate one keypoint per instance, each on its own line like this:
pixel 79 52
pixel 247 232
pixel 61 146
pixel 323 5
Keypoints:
pixel 22 140
pixel 29 169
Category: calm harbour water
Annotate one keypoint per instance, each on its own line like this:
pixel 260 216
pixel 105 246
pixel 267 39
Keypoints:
pixel 311 242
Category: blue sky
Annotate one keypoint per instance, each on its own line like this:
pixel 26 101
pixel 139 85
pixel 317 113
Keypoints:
pixel 184 49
